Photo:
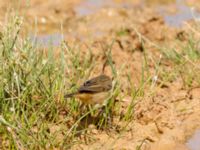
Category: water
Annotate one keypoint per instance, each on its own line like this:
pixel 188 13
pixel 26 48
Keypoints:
pixel 89 7
pixel 47 40
pixel 183 14
pixel 194 142
pixel 176 20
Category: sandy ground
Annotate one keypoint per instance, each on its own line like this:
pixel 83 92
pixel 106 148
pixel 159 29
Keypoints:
pixel 163 120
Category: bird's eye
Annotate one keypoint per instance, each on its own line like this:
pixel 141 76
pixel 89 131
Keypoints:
pixel 86 83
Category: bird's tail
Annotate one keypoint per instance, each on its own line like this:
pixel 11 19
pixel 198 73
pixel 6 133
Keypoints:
pixel 70 95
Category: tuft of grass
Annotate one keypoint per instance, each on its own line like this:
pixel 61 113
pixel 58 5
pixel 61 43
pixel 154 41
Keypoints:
pixel 32 89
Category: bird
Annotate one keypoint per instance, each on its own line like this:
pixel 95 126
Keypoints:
pixel 93 91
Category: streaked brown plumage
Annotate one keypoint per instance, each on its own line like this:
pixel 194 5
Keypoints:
pixel 94 91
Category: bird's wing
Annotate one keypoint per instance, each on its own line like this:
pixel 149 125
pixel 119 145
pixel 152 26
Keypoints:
pixel 97 80
pixel 95 88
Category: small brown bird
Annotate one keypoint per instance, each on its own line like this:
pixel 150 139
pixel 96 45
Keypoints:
pixel 94 91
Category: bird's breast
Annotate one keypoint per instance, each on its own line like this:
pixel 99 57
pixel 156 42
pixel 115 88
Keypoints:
pixel 93 98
